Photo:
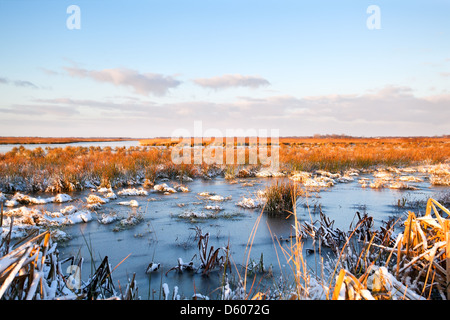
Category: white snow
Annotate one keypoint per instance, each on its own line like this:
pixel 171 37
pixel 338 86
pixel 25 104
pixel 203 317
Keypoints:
pixel 164 188
pixel 165 287
pixel 133 192
pixel 20 198
pixel 152 267
pixel 345 179
pixel 111 195
pixel 68 210
pixel 269 173
pixel 62 198
pixel 131 203
pixel 94 199
pixel 249 203
pixel 108 218
pixel 30 218
pixel 300 176
pixel 410 179
pixel 181 188
pixel 382 279
pixel 78 217
pixel 321 182
pixel 218 198
pixel 209 207
pixel 192 214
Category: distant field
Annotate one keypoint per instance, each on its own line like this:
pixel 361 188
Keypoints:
pixel 283 141
pixel 54 140
pixel 338 152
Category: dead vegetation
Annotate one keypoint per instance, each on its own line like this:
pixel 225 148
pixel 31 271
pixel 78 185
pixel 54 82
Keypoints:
pixel 210 258
pixel 31 269
pixel 375 264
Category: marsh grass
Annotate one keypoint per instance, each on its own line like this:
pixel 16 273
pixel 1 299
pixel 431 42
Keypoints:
pixel 335 155
pixel 74 168
pixel 281 197
pixel 70 168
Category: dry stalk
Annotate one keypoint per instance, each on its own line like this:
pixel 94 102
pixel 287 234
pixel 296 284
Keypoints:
pixel 422 252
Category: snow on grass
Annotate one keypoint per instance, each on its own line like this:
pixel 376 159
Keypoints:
pixel 131 203
pixel 24 219
pixel 218 198
pixel 133 192
pixel 108 218
pixel 22 199
pixel 192 214
pixel 269 174
pixel 95 202
pixel 164 188
pixel 217 208
pixel 62 197
pixel 250 203
pixel 181 188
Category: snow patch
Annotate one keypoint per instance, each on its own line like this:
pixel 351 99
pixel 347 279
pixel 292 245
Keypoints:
pixel 131 203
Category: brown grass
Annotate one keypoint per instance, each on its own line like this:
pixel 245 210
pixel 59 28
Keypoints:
pixel 70 168
pixel 336 153
pixel 216 141
pixel 341 154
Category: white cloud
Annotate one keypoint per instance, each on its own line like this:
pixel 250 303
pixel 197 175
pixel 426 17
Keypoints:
pixel 19 83
pixel 142 83
pixel 232 80
pixel 387 111
pixel 45 110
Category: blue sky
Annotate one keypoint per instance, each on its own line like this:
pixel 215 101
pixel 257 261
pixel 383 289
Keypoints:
pixel 148 68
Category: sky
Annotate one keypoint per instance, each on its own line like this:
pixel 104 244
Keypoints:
pixel 145 69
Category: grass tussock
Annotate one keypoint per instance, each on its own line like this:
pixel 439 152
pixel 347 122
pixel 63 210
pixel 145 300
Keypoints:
pixel 281 197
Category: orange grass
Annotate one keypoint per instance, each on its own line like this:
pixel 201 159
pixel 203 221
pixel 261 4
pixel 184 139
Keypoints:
pixel 340 154
pixel 68 169
pixel 207 141
pixel 335 152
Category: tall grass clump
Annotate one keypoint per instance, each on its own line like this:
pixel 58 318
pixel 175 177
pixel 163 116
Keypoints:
pixel 281 198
